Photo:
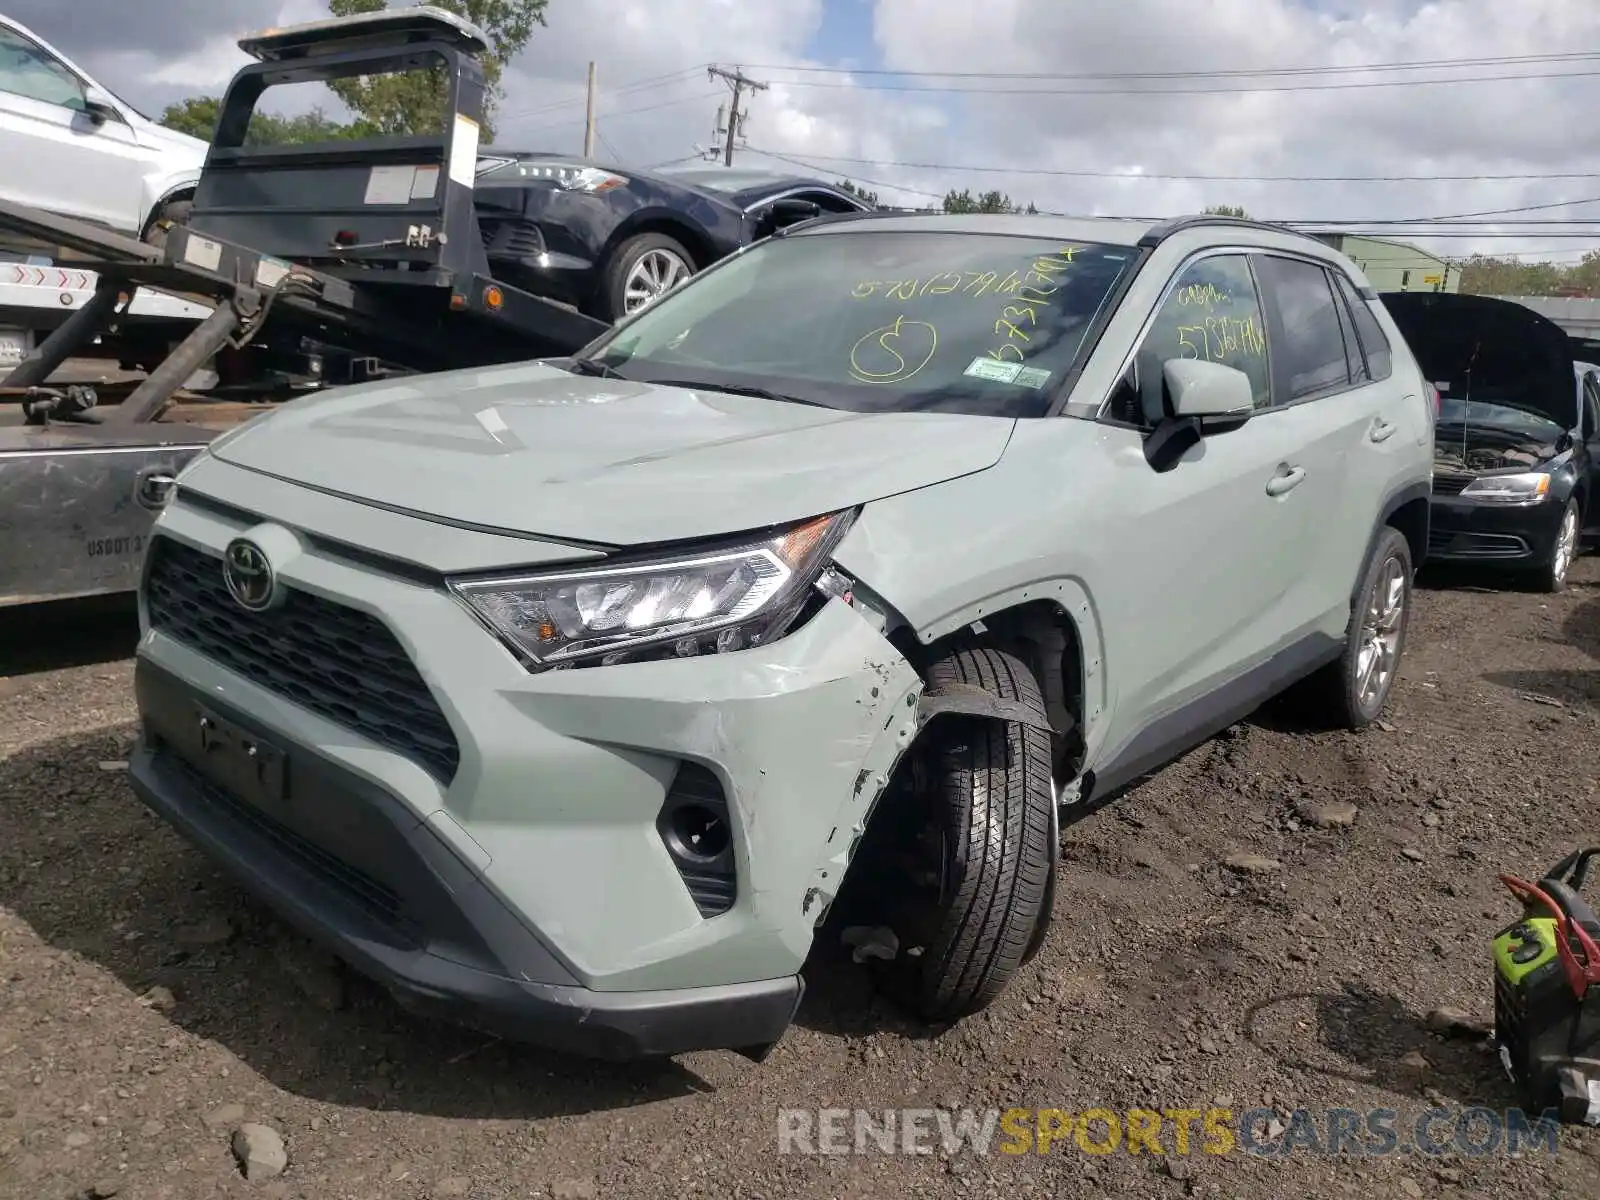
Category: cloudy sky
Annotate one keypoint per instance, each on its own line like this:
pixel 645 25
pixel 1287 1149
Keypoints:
pixel 912 97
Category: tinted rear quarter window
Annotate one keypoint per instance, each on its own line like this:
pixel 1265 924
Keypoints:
pixel 1309 353
pixel 1373 342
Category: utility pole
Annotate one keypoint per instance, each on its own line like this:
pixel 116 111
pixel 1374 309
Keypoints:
pixel 738 81
pixel 588 124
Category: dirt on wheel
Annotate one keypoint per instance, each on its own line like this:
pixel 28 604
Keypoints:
pixel 1265 925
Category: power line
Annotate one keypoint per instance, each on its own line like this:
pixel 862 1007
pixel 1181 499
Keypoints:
pixel 622 89
pixel 1219 91
pixel 736 80
pixel 1170 176
pixel 627 112
pixel 1331 69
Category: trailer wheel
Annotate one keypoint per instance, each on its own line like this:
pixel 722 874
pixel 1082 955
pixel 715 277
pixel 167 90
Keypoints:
pixel 642 269
pixel 983 847
pixel 173 212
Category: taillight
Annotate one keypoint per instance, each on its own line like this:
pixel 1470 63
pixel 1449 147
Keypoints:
pixel 1438 400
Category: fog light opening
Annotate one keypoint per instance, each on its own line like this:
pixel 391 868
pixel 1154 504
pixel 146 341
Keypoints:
pixel 696 832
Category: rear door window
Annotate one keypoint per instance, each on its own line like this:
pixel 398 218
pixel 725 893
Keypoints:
pixel 1309 357
pixel 1374 345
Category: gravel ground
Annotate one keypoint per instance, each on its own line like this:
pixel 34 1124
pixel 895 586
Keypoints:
pixel 148 1011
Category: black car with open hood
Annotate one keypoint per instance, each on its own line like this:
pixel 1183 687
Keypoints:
pixel 1516 447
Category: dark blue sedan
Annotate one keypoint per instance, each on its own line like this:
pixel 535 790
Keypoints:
pixel 611 239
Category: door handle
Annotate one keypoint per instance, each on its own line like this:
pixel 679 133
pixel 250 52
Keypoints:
pixel 1286 480
pixel 1382 430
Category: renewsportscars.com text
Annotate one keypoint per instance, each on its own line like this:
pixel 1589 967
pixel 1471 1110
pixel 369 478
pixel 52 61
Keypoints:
pixel 1263 1132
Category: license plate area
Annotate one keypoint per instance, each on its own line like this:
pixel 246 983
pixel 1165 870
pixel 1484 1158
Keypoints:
pixel 240 763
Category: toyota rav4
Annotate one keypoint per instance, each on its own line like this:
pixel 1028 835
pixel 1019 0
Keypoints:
pixel 564 697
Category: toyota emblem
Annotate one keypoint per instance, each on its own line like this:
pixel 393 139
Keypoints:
pixel 249 575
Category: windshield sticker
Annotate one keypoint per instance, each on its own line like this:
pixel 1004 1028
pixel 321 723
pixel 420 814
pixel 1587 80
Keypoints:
pixel 984 367
pixel 894 352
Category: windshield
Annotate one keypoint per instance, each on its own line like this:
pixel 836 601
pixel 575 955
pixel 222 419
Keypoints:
pixel 875 321
pixel 1506 415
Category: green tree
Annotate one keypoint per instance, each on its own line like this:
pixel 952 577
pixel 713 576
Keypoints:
pixel 197 117
pixel 845 185
pixel 987 202
pixel 1227 210
pixel 414 102
pixel 1491 275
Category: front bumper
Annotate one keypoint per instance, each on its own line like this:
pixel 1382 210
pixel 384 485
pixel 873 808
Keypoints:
pixel 530 888
pixel 1492 534
pixel 444 946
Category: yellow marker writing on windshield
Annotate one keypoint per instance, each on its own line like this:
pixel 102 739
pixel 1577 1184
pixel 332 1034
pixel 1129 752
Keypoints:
pixel 893 353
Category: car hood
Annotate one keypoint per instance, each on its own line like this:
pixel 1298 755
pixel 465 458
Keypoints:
pixel 1484 349
pixel 538 451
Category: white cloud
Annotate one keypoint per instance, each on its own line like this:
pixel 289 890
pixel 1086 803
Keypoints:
pixel 1521 128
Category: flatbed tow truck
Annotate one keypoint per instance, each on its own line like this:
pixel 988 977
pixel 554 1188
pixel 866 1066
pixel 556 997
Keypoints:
pixel 312 265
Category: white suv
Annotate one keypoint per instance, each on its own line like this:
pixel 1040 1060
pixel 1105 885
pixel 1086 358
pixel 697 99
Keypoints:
pixel 84 152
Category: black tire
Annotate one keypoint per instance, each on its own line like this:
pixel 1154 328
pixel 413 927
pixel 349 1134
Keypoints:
pixel 1041 927
pixel 173 212
pixel 1337 695
pixel 1553 577
pixel 610 301
pixel 992 810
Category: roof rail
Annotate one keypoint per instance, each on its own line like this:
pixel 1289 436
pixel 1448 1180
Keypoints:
pixel 1159 233
pixel 386 27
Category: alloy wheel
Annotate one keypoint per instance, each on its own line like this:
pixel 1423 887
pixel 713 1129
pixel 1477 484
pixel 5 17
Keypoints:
pixel 656 273
pixel 1379 655
pixel 1566 547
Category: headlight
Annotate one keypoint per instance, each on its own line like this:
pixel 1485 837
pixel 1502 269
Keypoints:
pixel 1528 487
pixel 723 599
pixel 572 178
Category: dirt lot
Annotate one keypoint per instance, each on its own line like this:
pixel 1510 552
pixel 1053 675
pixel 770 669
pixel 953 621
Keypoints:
pixel 1172 981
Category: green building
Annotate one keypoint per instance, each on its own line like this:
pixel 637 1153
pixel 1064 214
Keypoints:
pixel 1396 266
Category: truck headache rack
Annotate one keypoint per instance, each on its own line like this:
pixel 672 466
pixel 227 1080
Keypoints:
pixel 370 246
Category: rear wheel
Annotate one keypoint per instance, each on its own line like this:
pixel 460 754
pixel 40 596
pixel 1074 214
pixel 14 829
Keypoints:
pixel 643 269
pixel 1554 576
pixel 1351 692
pixel 982 873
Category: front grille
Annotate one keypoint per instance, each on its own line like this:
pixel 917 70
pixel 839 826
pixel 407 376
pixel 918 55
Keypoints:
pixel 1476 545
pixel 1449 484
pixel 337 661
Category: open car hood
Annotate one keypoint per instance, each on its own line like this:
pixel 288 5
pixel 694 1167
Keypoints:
pixel 538 451
pixel 1480 348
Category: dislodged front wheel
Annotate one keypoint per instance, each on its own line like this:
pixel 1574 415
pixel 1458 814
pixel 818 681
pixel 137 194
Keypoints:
pixel 986 853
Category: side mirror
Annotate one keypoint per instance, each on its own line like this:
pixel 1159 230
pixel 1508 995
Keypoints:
pixel 1206 397
pixel 1207 389
pixel 100 106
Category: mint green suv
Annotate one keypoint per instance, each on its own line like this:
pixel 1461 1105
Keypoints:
pixel 564 698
